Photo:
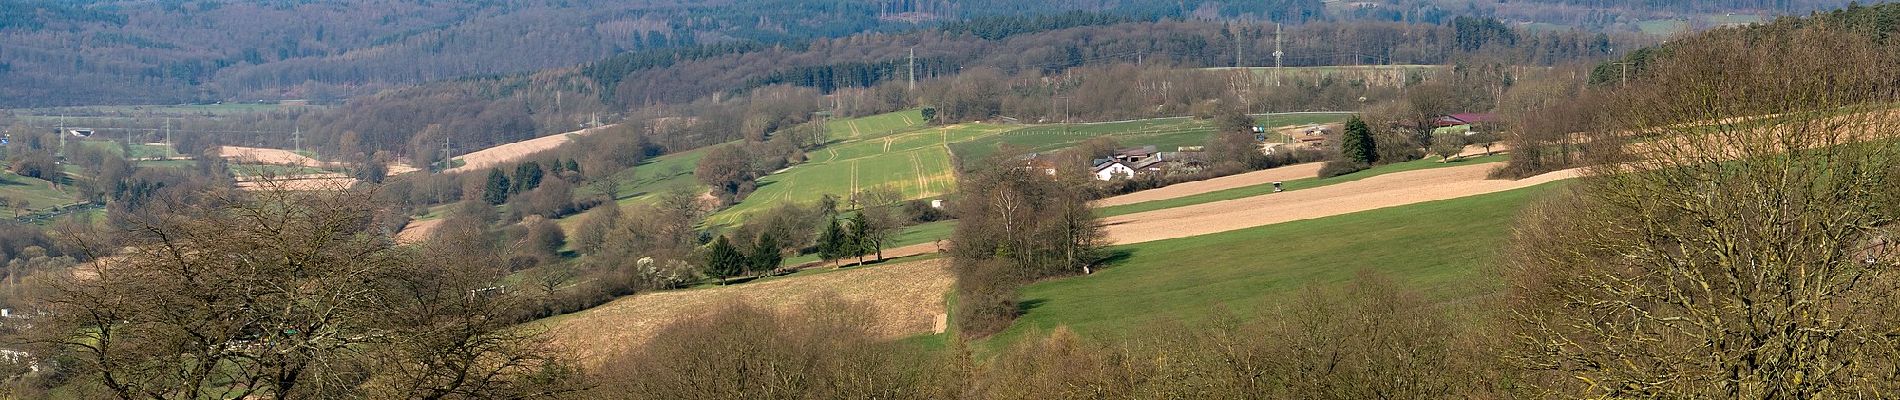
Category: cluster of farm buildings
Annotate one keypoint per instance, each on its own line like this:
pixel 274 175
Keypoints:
pixel 1148 160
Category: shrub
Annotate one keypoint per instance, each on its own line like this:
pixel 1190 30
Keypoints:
pixel 1340 167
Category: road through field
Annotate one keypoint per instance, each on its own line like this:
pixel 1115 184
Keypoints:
pixel 1389 190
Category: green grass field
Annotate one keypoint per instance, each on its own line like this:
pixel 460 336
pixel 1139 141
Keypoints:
pixel 931 232
pixel 1439 248
pixel 138 150
pixel 887 151
pixel 39 194
pixel 895 151
pixel 168 164
pixel 1662 27
pixel 658 175
pixel 874 126
pixel 1297 184
pixel 1166 134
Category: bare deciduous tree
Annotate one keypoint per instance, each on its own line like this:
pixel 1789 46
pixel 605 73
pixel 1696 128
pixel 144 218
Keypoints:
pixel 1741 248
pixel 287 295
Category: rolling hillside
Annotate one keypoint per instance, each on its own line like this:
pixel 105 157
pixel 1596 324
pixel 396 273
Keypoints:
pixel 896 151
pixel 1242 268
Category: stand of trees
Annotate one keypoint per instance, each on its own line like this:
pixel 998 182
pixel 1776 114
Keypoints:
pixel 1017 225
pixel 287 295
pixel 1673 273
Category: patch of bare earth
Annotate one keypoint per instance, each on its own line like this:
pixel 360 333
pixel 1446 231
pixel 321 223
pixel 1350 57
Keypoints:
pixel 1389 190
pixel 517 151
pixel 417 231
pixel 906 296
pixel 259 155
pixel 304 182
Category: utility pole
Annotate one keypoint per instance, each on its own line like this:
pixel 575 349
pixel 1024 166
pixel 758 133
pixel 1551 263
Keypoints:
pixel 1067 102
pixel 296 138
pixel 1626 72
pixel 1238 34
pixel 60 154
pixel 446 161
pixel 168 132
pixel 1279 42
pixel 913 68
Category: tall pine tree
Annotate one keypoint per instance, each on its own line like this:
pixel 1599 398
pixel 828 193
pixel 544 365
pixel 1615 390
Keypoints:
pixel 765 254
pixel 496 191
pixel 1357 145
pixel 724 261
pixel 527 177
pixel 833 244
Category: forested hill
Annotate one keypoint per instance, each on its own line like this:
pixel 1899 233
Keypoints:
pixel 872 71
pixel 67 52
pixel 82 52
pixel 1880 23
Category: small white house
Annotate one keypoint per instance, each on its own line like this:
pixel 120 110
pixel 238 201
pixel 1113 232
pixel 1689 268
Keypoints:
pixel 1113 169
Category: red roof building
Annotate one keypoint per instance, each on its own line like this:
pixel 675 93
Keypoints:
pixel 1463 119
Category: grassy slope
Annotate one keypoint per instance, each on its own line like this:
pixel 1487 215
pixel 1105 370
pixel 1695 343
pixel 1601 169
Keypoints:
pixel 655 176
pixel 1256 190
pixel 1166 134
pixel 883 151
pixel 894 150
pixel 139 150
pixel 931 232
pixel 1440 247
pixel 39 194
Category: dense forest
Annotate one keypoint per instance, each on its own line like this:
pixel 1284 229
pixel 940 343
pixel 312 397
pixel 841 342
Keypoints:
pixel 167 52
pixel 478 112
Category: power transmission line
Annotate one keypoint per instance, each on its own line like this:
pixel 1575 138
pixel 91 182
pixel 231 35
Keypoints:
pixel 1279 42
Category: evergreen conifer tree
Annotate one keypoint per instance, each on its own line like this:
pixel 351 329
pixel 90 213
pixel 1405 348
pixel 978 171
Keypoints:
pixel 1357 145
pixel 724 261
pixel 496 192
